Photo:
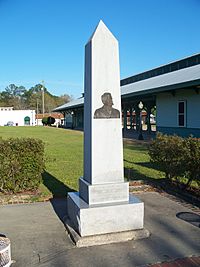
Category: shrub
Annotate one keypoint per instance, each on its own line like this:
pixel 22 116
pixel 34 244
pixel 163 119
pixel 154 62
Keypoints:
pixel 45 121
pixel 50 120
pixel 192 160
pixel 168 153
pixel 177 157
pixel 21 164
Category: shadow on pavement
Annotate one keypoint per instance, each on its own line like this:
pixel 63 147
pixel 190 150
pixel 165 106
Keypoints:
pixel 59 191
pixel 60 207
pixel 2 235
pixel 189 217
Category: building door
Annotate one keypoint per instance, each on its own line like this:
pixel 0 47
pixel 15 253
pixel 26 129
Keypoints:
pixel 27 120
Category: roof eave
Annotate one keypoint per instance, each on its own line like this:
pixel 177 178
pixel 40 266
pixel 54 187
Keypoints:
pixel 163 89
pixel 68 108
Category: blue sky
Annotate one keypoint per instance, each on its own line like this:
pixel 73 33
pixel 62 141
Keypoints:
pixel 45 39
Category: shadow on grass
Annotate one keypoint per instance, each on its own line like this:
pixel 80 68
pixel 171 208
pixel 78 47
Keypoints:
pixel 136 147
pixel 150 165
pixel 56 187
pixel 134 175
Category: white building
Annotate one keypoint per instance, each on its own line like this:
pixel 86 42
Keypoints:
pixel 11 117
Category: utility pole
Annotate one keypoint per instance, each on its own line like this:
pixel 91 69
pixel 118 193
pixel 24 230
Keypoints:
pixel 43 99
pixel 37 111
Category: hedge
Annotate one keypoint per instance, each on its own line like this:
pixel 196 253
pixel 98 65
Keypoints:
pixel 45 120
pixel 178 157
pixel 21 164
pixel 48 120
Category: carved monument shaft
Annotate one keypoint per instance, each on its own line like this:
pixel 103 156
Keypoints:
pixel 103 150
pixel 103 204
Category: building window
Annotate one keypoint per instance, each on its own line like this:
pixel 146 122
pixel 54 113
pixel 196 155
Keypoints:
pixel 182 113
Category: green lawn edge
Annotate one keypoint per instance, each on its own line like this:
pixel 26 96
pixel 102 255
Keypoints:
pixel 64 159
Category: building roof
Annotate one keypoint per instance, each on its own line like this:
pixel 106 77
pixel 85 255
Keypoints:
pixel 54 115
pixel 73 104
pixel 169 67
pixel 173 80
pixel 182 78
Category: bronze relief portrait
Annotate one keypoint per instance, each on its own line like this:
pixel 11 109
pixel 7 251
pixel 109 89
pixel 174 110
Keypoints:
pixel 106 111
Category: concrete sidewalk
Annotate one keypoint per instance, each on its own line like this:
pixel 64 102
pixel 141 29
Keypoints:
pixel 38 236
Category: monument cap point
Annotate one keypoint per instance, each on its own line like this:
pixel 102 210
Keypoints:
pixel 101 26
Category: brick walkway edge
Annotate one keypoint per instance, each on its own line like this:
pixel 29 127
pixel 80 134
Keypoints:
pixel 185 262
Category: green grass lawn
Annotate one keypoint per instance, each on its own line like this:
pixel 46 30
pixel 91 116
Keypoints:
pixel 64 158
pixel 137 165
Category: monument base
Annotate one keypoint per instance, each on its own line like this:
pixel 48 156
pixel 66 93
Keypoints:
pixel 103 193
pixel 104 239
pixel 105 219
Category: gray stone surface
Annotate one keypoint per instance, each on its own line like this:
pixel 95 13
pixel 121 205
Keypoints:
pixel 108 218
pixel 38 237
pixel 103 193
pixel 104 239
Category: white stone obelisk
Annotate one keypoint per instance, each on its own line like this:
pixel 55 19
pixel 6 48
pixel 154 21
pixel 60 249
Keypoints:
pixel 103 150
pixel 103 204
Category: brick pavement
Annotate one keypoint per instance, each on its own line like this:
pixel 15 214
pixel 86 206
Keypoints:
pixel 185 262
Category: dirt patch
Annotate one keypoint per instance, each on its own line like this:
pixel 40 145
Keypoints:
pixel 190 195
pixel 24 197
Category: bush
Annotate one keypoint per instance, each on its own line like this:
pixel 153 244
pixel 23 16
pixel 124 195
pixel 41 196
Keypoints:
pixel 177 157
pixel 50 120
pixel 21 164
pixel 168 153
pixel 192 160
pixel 45 121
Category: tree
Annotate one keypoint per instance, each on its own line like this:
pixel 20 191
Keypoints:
pixel 45 120
pixel 13 96
pixel 19 97
pixel 50 120
pixel 63 99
